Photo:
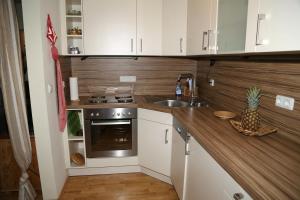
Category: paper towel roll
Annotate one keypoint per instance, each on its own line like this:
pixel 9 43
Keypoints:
pixel 74 89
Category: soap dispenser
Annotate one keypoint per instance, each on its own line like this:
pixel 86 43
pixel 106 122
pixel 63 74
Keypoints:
pixel 178 89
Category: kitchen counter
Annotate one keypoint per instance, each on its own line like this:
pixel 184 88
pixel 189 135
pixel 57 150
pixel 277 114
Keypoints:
pixel 266 167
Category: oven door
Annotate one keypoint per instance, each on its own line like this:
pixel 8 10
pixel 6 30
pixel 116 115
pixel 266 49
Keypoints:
pixel 111 138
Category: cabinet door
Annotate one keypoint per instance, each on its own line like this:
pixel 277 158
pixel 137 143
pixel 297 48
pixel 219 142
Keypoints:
pixel 202 179
pixel 178 164
pixel 149 27
pixel 109 27
pixel 154 146
pixel 232 25
pixel 201 27
pixel 273 25
pixel 206 179
pixel 174 27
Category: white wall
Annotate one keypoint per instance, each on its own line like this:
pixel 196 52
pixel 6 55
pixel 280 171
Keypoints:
pixel 41 73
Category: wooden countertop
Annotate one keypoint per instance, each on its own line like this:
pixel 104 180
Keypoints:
pixel 266 167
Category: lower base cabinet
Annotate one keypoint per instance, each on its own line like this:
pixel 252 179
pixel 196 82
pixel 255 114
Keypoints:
pixel 154 141
pixel 206 179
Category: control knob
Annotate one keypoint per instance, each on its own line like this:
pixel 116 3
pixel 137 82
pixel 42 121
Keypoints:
pixel 118 114
pixel 97 114
pixel 92 114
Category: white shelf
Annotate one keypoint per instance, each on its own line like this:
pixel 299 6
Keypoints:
pixel 73 165
pixel 75 138
pixel 73 16
pixel 72 20
pixel 74 36
pixel 69 54
pixel 76 146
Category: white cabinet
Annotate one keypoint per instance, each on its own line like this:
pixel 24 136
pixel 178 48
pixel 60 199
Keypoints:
pixel 149 27
pixel 201 27
pixel 174 27
pixel 273 25
pixel 154 141
pixel 109 27
pixel 206 179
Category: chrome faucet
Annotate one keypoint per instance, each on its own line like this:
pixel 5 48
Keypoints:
pixel 193 96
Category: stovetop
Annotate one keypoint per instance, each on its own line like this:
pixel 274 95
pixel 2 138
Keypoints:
pixel 121 98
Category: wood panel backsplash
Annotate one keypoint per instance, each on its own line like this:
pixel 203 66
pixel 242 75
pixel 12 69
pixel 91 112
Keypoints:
pixel 154 76
pixel 232 78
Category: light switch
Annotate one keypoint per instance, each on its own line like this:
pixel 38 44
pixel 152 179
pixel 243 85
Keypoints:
pixel 128 79
pixel 285 102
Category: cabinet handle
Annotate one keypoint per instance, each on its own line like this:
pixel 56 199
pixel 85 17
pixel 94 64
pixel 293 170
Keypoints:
pixel 186 147
pixel 131 41
pixel 166 136
pixel 180 45
pixel 141 49
pixel 179 130
pixel 260 18
pixel 238 196
pixel 208 39
pixel 203 39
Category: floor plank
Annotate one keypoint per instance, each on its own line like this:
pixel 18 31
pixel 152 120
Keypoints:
pixel 134 186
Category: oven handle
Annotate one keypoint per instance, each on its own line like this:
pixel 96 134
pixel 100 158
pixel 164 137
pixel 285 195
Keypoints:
pixel 114 122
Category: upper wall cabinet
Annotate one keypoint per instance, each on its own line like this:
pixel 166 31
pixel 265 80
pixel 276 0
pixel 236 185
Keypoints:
pixel 273 25
pixel 149 27
pixel 174 27
pixel 232 25
pixel 109 27
pixel 201 27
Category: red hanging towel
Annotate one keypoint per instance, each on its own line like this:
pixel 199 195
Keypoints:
pixel 51 35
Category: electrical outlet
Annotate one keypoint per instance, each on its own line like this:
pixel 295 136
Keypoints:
pixel 212 82
pixel 128 79
pixel 285 102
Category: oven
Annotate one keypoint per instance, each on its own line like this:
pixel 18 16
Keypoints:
pixel 110 132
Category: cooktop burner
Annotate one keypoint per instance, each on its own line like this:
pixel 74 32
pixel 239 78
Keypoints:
pixel 96 100
pixel 121 98
pixel 125 100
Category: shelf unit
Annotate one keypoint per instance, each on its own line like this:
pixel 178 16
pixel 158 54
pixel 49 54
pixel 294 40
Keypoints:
pixel 74 144
pixel 73 18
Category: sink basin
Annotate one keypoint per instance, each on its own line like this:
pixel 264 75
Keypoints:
pixel 172 103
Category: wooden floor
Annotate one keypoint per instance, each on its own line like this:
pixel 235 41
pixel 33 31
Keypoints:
pixel 134 186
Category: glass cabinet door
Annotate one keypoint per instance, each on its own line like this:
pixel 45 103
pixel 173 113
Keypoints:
pixel 232 24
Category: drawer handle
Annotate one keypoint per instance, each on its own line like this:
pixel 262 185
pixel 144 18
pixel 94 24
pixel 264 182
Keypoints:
pixel 180 45
pixel 166 136
pixel 238 196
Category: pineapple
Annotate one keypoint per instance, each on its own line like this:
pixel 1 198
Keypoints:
pixel 250 116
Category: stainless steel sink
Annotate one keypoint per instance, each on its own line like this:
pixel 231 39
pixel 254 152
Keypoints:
pixel 172 103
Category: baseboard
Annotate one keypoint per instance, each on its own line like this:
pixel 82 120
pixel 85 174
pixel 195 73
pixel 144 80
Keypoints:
pixel 156 175
pixel 103 170
pixel 118 170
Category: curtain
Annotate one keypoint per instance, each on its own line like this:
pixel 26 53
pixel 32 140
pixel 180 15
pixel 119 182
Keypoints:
pixel 14 95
